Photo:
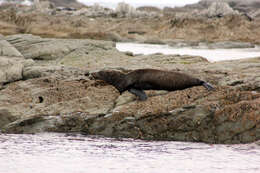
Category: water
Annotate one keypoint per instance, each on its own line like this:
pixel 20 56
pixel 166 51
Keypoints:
pixel 138 3
pixel 211 54
pixel 63 153
pixel 23 2
pixel 135 3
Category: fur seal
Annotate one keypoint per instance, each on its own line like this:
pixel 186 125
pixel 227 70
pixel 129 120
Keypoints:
pixel 148 79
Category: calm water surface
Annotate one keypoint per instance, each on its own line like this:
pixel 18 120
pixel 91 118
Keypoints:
pixel 211 54
pixel 68 153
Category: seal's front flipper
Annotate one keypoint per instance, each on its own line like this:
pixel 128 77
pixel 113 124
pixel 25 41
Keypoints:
pixel 139 93
pixel 208 86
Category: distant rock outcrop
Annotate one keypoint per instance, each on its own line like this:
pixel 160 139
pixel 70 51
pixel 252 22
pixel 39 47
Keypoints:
pixel 248 7
pixel 214 21
pixel 67 3
pixel 219 9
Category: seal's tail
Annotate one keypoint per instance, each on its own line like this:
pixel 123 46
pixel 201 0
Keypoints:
pixel 208 86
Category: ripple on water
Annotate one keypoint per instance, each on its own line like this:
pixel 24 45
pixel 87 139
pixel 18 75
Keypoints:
pixel 67 153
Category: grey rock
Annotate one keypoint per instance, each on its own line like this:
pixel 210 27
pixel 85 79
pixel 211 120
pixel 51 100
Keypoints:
pixel 44 49
pixel 230 45
pixel 220 9
pixel 6 49
pixel 5 117
pixel 10 69
pixel 33 124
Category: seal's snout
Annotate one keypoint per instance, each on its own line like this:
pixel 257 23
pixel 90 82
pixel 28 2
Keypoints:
pixel 92 76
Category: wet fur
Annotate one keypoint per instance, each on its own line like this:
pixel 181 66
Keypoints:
pixel 110 76
pixel 149 79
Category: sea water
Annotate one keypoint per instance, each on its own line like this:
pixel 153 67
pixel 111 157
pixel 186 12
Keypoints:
pixel 75 153
pixel 211 54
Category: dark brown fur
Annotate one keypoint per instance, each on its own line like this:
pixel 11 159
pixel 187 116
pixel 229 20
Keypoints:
pixel 149 79
pixel 110 76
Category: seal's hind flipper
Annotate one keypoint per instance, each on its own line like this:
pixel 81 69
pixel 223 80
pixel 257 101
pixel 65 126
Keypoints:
pixel 208 86
pixel 139 93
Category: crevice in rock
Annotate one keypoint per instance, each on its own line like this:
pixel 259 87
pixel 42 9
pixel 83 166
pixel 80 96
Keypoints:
pixel 40 99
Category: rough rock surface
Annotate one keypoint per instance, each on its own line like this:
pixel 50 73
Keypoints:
pixel 12 62
pixel 248 7
pixel 90 54
pixel 10 69
pixel 61 98
pixel 220 9
pixel 6 49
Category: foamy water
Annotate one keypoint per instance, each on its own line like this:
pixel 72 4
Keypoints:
pixel 211 54
pixel 63 153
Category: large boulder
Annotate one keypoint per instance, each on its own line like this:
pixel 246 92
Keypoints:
pixel 37 48
pixel 229 114
pixel 225 115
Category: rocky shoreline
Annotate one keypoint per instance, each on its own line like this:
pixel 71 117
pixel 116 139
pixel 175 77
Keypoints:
pixel 45 87
pixel 206 21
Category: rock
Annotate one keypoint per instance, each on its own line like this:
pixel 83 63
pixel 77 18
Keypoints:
pixel 39 71
pixel 10 69
pixel 37 48
pixel 193 114
pixel 219 9
pixel 255 14
pixel 57 94
pixel 94 11
pixel 200 123
pixel 88 54
pixel 43 6
pixel 33 124
pixel 125 10
pixel 194 23
pixel 128 53
pixel 229 45
pixel 217 118
pixel 5 117
pixel 98 36
pixel 6 49
pixel 42 123
pixel 62 98
pixel 62 72
pixel 67 3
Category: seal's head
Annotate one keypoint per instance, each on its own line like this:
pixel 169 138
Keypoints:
pixel 98 75
pixel 110 76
